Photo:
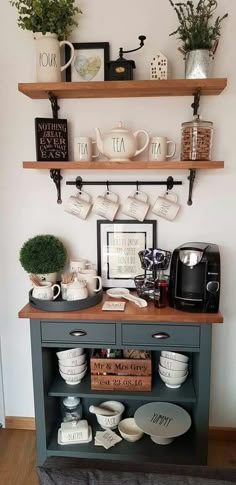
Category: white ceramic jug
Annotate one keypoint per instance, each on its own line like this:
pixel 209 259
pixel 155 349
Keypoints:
pixel 48 57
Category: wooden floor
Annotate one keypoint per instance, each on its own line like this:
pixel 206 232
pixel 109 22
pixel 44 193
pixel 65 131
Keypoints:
pixel 17 456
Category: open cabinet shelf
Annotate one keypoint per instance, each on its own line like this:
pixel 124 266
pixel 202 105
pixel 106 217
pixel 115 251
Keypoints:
pixel 124 89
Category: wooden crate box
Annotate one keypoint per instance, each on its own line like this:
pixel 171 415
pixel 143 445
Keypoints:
pixel 121 374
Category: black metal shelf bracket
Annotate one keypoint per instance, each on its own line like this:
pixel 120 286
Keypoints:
pixel 196 103
pixel 54 104
pixel 191 179
pixel 169 182
pixel 55 174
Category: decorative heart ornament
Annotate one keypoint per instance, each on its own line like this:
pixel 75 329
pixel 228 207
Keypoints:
pixel 87 67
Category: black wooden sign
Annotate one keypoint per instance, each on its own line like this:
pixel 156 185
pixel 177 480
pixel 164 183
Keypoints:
pixel 51 139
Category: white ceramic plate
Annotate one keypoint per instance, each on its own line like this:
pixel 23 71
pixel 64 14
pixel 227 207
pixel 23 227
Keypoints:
pixel 162 420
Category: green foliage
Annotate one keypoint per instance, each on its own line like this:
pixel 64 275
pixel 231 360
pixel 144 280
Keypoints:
pixel 43 254
pixel 197 29
pixel 55 16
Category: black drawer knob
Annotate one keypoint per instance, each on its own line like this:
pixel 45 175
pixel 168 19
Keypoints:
pixel 160 335
pixel 78 333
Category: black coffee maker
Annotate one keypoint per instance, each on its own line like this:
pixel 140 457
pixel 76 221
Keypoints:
pixel 195 278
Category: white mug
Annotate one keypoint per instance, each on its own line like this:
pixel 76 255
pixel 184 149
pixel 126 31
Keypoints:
pixel 46 291
pixel 158 148
pixel 167 206
pixel 79 205
pixel 90 277
pixel 83 149
pixel 78 264
pixel 48 57
pixel 107 205
pixel 136 206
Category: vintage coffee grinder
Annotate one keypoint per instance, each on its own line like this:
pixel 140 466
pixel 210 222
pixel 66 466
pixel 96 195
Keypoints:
pixel 122 69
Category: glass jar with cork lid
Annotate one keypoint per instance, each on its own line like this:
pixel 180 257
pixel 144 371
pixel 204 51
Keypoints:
pixel 196 139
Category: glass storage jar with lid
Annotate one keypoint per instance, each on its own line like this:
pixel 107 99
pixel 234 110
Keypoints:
pixel 196 139
pixel 72 409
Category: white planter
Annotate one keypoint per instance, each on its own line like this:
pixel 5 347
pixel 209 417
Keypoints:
pixel 198 64
pixel 52 277
pixel 48 57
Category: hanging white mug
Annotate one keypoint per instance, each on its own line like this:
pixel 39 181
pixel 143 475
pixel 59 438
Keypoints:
pixel 167 206
pixel 48 57
pixel 158 148
pixel 136 206
pixel 79 205
pixel 107 205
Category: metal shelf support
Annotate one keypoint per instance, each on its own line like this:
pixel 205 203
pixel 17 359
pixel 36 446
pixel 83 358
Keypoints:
pixel 55 174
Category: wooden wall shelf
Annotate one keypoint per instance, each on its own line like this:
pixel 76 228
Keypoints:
pixel 132 165
pixel 124 89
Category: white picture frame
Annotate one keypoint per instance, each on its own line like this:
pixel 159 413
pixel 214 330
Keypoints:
pixel 118 245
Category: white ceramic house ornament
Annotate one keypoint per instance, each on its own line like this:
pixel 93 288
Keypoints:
pixel 159 66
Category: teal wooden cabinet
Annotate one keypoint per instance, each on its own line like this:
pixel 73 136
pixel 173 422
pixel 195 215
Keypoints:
pixel 149 329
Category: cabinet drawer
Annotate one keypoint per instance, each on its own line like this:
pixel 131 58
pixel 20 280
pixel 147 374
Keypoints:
pixel 161 335
pixel 79 332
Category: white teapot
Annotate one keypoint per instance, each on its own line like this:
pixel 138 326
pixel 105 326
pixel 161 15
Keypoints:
pixel 77 290
pixel 120 144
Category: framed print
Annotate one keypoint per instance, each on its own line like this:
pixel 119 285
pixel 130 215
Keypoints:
pixel 118 245
pixel 89 63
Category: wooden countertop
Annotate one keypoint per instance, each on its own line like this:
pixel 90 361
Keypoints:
pixel 131 313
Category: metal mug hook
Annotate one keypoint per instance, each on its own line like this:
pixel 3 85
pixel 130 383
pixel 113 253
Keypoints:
pixel 137 187
pixel 169 184
pixel 107 183
pixel 79 184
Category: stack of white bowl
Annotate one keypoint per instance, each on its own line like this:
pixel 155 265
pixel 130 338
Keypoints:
pixel 173 368
pixel 72 365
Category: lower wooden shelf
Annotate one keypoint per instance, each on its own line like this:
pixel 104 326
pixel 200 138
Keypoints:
pixel 184 394
pixel 181 451
pixel 130 165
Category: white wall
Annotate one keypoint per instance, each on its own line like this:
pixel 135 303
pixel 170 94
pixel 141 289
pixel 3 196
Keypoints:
pixel 28 199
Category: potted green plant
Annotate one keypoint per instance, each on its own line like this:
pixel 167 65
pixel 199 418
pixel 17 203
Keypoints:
pixel 43 255
pixel 51 22
pixel 199 34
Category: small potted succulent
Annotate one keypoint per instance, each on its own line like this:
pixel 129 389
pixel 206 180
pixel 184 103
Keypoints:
pixel 43 255
pixel 199 34
pixel 51 22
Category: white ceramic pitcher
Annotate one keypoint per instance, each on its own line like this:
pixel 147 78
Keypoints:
pixel 48 57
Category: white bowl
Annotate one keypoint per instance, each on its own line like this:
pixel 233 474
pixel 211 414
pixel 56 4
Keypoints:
pixel 171 373
pixel 129 430
pixel 70 353
pixel 111 422
pixel 77 369
pixel 173 364
pixel 175 356
pixel 73 380
pixel 73 362
pixel 173 382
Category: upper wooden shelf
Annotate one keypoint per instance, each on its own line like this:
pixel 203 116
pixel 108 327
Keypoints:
pixel 131 165
pixel 124 89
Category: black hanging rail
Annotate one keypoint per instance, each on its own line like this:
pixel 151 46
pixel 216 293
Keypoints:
pixel 169 182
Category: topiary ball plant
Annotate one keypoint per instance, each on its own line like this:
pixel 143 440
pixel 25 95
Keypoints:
pixel 43 254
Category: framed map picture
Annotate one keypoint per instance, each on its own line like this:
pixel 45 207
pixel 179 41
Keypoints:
pixel 89 63
pixel 118 245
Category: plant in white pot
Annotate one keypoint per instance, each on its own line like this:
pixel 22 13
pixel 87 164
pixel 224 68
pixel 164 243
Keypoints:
pixel 199 34
pixel 51 22
pixel 43 255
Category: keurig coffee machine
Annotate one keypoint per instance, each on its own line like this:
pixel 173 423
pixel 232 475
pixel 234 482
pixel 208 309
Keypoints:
pixel 195 278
